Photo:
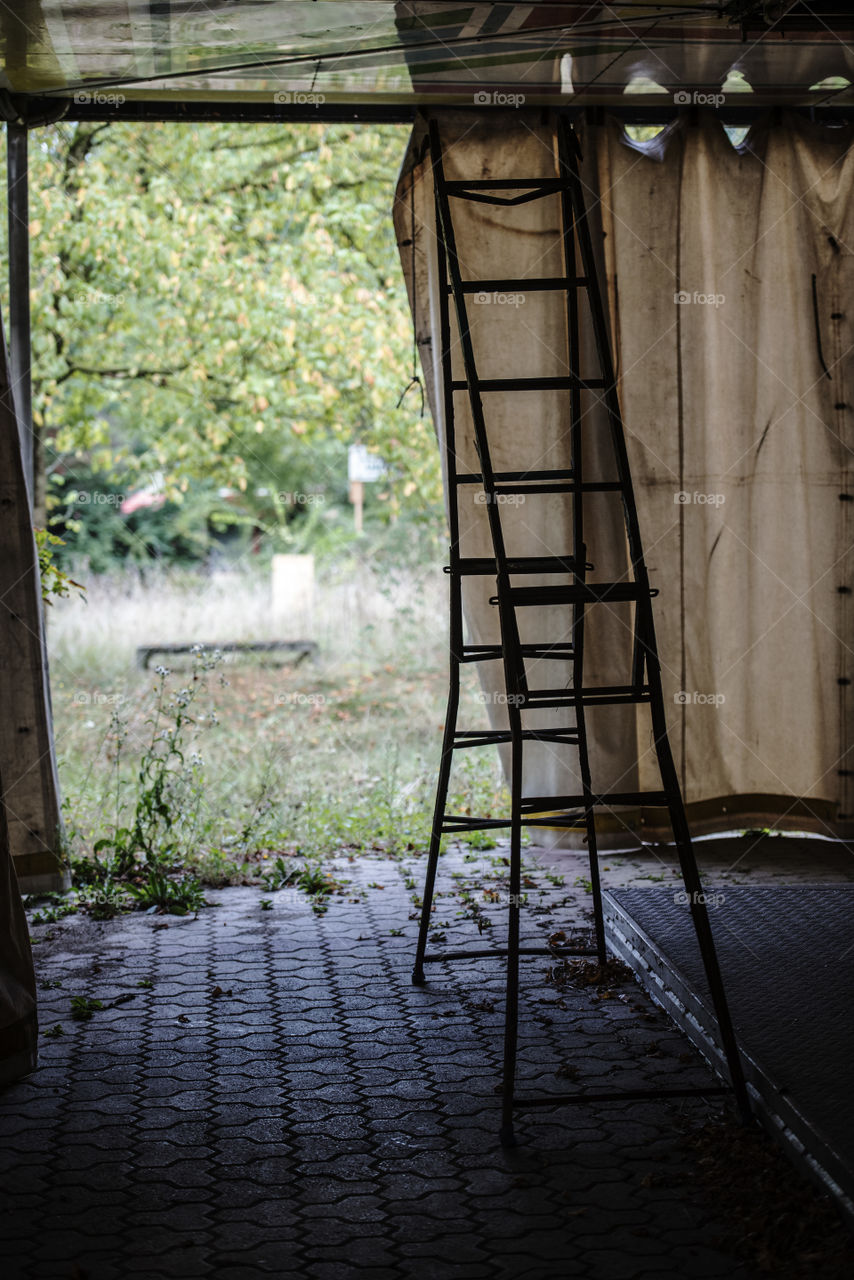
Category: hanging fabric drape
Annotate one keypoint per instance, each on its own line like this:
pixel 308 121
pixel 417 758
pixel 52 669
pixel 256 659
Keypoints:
pixel 728 274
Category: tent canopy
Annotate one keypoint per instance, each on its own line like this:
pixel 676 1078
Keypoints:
pixel 118 55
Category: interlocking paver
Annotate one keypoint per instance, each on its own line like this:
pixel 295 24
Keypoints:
pixel 323 1119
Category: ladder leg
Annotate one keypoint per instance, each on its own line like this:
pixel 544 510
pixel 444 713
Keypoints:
pixel 511 1006
pixel 435 837
pixel 645 649
pixel 694 889
pixel 592 847
pixel 451 714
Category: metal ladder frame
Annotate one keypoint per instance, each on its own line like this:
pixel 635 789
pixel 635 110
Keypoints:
pixel 580 594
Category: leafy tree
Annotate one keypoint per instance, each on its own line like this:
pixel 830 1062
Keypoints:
pixel 221 307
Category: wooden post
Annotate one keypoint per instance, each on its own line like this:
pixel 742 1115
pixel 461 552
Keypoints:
pixel 18 1020
pixel 18 202
pixel 27 753
pixel 357 497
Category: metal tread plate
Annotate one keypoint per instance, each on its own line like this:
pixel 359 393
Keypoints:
pixel 787 958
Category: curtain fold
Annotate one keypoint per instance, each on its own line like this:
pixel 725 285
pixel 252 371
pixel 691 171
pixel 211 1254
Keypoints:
pixel 727 276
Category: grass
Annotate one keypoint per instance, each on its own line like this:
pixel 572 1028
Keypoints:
pixel 228 770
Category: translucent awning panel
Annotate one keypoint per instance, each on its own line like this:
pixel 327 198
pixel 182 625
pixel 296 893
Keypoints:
pixel 437 51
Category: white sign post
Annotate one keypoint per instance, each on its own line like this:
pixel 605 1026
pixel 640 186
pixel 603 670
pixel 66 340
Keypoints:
pixel 362 468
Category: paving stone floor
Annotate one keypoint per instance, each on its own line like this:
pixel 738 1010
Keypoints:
pixel 266 1094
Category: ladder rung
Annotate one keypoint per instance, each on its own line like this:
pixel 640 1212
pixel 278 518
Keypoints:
pixel 550 486
pixel 454 186
pixel 537 804
pixel 572 486
pixel 484 566
pixel 500 477
pixel 453 822
pixel 539 284
pixel 480 653
pixel 595 695
pixel 558 736
pixel 579 593
pixel 566 382
pixel 484 953
pixel 529 189
pixel 493 737
pixel 556 651
pixel 493 652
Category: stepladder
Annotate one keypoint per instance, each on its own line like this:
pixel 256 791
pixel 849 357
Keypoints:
pixel 562 602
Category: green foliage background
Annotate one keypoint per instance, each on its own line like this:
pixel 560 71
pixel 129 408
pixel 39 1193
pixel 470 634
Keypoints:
pixel 221 307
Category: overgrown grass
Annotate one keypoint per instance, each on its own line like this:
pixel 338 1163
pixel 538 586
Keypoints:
pixel 220 770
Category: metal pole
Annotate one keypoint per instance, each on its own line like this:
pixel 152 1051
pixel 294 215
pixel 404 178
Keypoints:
pixel 19 292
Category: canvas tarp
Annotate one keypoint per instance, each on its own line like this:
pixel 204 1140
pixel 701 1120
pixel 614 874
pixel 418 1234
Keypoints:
pixel 727 275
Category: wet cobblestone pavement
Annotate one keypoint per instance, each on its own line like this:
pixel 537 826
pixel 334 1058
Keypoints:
pixel 265 1093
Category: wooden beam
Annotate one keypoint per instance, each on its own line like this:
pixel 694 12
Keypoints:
pixel 27 752
pixel 18 201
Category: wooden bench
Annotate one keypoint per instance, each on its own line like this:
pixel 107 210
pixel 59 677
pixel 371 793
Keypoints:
pixel 302 649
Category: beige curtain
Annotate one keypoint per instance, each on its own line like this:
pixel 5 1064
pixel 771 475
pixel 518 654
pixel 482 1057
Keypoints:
pixel 728 275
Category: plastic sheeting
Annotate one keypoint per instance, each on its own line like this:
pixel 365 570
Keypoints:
pixel 314 52
pixel 727 274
